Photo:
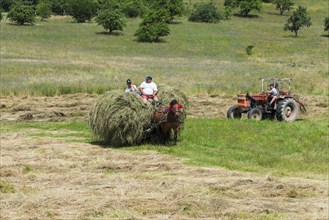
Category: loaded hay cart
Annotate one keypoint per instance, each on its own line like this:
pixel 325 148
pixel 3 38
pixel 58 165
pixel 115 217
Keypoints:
pixel 285 108
pixel 122 119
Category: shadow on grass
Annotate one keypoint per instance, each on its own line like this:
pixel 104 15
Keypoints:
pixel 278 14
pixel 150 142
pixel 325 35
pixel 246 16
pixel 175 22
pixel 293 36
pixel 150 42
pixel 109 34
pixel 19 25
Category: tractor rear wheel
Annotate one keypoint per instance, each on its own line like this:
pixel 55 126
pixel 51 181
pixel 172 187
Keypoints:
pixel 234 112
pixel 255 114
pixel 287 110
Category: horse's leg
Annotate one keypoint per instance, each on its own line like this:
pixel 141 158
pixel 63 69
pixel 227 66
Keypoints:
pixel 159 135
pixel 175 134
pixel 175 137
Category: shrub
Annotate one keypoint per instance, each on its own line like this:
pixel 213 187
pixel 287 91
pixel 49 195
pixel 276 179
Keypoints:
pixel 174 8
pixel 43 9
pixel 6 4
pixel 82 10
pixel 246 6
pixel 21 14
pixel 249 49
pixel 133 8
pixel 205 12
pixel 283 5
pixel 111 19
pixel 298 20
pixel 59 7
pixel 153 26
pixel 326 24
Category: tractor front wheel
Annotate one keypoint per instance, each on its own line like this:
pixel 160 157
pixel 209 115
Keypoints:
pixel 287 110
pixel 255 114
pixel 234 112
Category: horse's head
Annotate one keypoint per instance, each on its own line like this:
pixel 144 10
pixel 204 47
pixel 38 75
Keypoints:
pixel 175 108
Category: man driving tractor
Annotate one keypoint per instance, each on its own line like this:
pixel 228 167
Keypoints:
pixel 273 94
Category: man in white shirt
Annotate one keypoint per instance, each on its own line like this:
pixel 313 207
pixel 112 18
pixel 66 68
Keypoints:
pixel 273 94
pixel 149 90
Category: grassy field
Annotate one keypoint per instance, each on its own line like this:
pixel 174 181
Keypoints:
pixel 59 56
pixel 283 149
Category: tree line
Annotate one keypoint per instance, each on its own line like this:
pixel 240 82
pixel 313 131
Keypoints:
pixel 156 15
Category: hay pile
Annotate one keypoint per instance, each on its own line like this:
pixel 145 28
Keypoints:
pixel 121 119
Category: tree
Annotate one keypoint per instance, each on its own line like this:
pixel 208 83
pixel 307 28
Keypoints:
pixel 111 19
pixel 283 5
pixel 174 8
pixel 246 6
pixel 326 24
pixel 5 4
pixel 153 26
pixel 0 14
pixel 59 7
pixel 21 14
pixel 43 9
pixel 82 10
pixel 205 12
pixel 134 8
pixel 298 20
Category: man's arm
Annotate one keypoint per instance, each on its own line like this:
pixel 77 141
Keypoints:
pixel 155 89
pixel 141 88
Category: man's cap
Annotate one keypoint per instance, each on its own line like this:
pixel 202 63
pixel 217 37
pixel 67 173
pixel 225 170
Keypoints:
pixel 148 78
pixel 128 81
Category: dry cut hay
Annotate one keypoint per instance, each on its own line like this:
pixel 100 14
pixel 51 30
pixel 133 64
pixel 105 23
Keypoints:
pixel 121 119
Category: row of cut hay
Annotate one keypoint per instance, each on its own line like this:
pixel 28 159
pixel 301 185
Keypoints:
pixel 120 119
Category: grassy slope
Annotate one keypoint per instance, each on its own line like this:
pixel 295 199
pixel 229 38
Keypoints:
pixel 298 149
pixel 59 56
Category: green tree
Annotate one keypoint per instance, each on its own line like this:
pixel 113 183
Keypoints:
pixel 174 8
pixel 111 19
pixel 299 19
pixel 326 24
pixel 283 5
pixel 21 14
pixel 153 26
pixel 0 14
pixel 59 7
pixel 5 4
pixel 82 10
pixel 43 9
pixel 246 6
pixel 134 8
pixel 205 12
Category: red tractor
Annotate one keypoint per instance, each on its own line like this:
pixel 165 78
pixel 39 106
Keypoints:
pixel 285 108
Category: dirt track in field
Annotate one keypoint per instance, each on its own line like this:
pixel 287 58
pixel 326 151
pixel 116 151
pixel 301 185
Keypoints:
pixel 55 179
pixel 77 106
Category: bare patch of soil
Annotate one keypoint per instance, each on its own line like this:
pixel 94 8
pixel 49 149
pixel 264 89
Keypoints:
pixel 77 106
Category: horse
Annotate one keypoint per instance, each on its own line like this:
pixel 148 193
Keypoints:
pixel 167 119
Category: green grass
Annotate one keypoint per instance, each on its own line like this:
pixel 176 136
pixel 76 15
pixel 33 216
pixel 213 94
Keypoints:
pixel 6 187
pixel 283 149
pixel 296 149
pixel 59 56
